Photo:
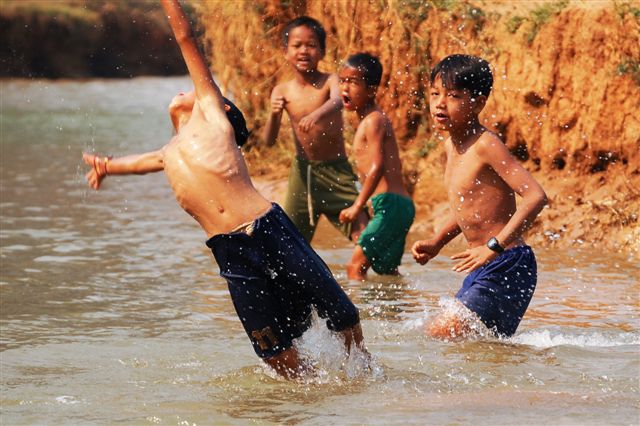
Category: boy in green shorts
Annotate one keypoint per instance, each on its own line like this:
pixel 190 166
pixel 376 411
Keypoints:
pixel 321 179
pixel 381 244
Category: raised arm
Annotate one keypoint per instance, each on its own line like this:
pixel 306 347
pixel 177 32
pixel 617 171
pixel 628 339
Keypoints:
pixel 136 164
pixel 333 104
pixel 205 87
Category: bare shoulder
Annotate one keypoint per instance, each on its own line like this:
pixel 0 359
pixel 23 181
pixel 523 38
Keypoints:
pixel 376 119
pixel 489 144
pixel 332 78
pixel 282 88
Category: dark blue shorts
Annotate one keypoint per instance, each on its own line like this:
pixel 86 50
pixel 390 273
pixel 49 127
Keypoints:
pixel 500 291
pixel 275 278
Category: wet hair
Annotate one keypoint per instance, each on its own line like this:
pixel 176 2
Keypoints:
pixel 464 72
pixel 309 22
pixel 236 118
pixel 369 65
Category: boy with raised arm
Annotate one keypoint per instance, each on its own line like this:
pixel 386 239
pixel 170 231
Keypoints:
pixel 381 244
pixel 482 179
pixel 321 180
pixel 274 276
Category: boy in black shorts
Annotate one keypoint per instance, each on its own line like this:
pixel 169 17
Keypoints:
pixel 274 277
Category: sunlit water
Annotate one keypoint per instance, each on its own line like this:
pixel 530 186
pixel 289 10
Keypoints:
pixel 112 310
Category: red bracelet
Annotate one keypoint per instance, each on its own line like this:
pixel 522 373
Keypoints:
pixel 106 161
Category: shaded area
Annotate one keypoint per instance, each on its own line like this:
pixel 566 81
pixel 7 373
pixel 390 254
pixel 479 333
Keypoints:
pixel 77 39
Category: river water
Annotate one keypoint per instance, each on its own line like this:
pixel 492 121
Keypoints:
pixel 112 311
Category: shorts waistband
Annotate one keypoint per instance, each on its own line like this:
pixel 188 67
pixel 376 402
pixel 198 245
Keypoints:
pixel 246 228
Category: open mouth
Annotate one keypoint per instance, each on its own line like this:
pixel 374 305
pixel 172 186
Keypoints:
pixel 346 101
pixel 440 116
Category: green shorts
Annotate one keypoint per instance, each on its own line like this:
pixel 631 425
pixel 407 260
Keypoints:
pixel 319 187
pixel 383 239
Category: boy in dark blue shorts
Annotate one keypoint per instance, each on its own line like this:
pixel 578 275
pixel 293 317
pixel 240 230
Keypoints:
pixel 482 179
pixel 274 277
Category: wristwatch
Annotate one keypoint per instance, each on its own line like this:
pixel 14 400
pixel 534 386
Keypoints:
pixel 494 245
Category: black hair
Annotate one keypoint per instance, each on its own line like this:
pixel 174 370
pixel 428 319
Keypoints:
pixel 309 22
pixel 237 122
pixel 464 72
pixel 368 64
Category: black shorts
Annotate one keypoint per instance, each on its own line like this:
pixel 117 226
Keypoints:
pixel 275 278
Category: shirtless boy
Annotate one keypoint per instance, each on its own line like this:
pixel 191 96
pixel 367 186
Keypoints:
pixel 482 179
pixel 321 180
pixel 381 244
pixel 274 276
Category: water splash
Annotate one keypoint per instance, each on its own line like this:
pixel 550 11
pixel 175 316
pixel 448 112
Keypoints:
pixel 551 338
pixel 324 350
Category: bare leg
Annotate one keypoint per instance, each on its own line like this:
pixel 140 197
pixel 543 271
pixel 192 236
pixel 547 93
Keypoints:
pixel 358 265
pixel 287 364
pixel 448 326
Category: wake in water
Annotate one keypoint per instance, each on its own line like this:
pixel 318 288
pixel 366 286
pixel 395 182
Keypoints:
pixel 551 338
pixel 467 324
pixel 474 329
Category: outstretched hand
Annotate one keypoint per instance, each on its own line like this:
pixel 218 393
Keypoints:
pixel 98 169
pixel 424 250
pixel 472 259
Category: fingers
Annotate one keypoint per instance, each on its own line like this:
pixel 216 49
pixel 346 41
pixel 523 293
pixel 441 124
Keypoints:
pixel 88 158
pixel 461 255
pixel 466 265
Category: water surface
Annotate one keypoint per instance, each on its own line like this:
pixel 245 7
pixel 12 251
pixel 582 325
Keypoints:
pixel 112 311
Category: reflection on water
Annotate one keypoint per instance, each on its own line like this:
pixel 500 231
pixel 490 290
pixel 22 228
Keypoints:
pixel 112 310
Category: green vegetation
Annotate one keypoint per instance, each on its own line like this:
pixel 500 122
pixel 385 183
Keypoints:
pixel 444 4
pixel 624 8
pixel 429 145
pixel 514 23
pixel 413 9
pixel 630 67
pixel 540 15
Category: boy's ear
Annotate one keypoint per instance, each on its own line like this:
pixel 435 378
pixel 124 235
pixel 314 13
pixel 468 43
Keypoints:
pixel 479 104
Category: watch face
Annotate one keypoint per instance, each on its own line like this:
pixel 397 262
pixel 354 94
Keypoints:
pixel 494 245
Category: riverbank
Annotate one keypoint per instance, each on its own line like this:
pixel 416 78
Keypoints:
pixel 78 39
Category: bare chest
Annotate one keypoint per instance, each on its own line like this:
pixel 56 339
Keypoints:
pixel 301 101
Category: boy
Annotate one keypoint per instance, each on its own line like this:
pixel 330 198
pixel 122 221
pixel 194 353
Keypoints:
pixel 274 276
pixel 321 180
pixel 481 178
pixel 381 244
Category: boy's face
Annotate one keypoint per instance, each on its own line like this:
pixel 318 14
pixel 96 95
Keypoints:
pixel 452 109
pixel 303 49
pixel 355 92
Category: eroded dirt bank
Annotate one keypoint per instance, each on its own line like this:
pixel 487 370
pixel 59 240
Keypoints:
pixel 565 99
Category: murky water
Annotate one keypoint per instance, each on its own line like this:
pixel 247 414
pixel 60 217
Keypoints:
pixel 112 311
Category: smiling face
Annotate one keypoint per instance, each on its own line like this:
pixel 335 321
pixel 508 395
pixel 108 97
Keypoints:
pixel 453 109
pixel 355 93
pixel 303 49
